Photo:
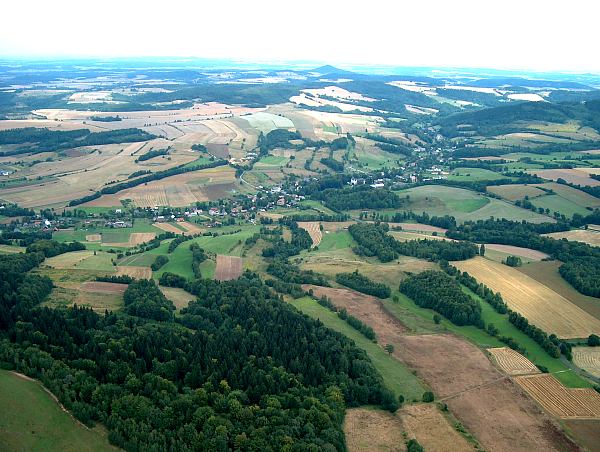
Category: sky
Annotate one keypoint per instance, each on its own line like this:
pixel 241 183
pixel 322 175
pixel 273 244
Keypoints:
pixel 523 35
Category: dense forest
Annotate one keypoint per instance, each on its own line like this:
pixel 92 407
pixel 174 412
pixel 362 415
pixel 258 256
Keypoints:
pixel 440 292
pixel 373 240
pixel 34 139
pixel 359 197
pixel 216 379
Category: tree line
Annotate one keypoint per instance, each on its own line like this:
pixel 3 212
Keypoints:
pixel 361 283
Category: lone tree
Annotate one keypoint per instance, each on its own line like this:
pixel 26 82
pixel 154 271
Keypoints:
pixel 428 396
pixel 389 348
pixel 593 340
pixel 482 250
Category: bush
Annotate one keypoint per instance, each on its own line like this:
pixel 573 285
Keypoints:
pixel 428 397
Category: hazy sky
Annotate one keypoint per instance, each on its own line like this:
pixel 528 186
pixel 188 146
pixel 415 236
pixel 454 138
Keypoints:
pixel 508 34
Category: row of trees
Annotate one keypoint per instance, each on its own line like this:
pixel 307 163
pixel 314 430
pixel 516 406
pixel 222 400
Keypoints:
pixel 291 273
pixel 50 248
pixel 363 284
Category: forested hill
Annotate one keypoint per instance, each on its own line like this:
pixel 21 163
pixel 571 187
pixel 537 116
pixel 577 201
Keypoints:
pixel 240 370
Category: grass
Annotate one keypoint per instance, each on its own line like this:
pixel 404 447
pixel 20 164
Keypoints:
pixel 556 203
pixel 421 318
pixel 474 174
pixel 11 249
pixel 32 420
pixel 396 377
pixel 272 160
pixel 109 235
pixel 180 260
pixel 336 241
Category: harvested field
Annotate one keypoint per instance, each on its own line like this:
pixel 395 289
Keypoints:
pixel 334 226
pixel 539 304
pixel 576 176
pixel 168 227
pixel 190 227
pixel 587 358
pixel 516 191
pixel 313 228
pixel 68 260
pixel 102 287
pixel 228 268
pixel 135 272
pixel 418 227
pixel 474 390
pixel 566 403
pixel 512 362
pixel 93 238
pixel 517 251
pixel 405 236
pixel 372 430
pixel 589 236
pixel 432 430
pixel 364 307
pixel 135 239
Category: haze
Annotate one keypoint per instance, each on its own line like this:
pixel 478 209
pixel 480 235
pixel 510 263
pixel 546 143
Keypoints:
pixel 534 35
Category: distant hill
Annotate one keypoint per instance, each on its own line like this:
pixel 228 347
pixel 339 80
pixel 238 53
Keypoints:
pixel 331 70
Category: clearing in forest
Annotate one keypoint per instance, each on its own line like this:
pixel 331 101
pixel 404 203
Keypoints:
pixel 228 268
pixel 313 228
pixel 542 306
pixel 589 236
pixel 566 403
pixel 372 430
pixel 512 362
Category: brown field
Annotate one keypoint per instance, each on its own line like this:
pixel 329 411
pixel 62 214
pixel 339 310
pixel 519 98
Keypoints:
pixel 190 227
pixel 566 403
pixel 312 227
pixel 228 267
pixel 168 227
pixel 334 226
pixel 177 191
pixel 102 287
pixel 539 304
pixel 478 395
pixel 179 297
pixel 512 362
pixel 418 227
pixel 135 239
pixel 135 272
pixel 432 430
pixel 586 432
pixel 577 176
pixel 372 430
pixel 589 236
pixel 516 191
pixel 517 251
pixel 68 260
pixel 587 358
pixel 93 238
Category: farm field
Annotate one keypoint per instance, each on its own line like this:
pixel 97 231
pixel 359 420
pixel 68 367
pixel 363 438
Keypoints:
pixel 85 260
pixel 586 431
pixel 556 203
pixel 335 240
pixel 527 253
pixel 134 272
pixel 142 228
pixel 566 403
pixel 313 228
pixel 516 192
pixel 512 362
pixel 588 359
pixel 474 174
pixel 589 236
pixel 169 227
pixel 539 304
pixel 32 419
pixel 571 194
pixel 464 205
pixel 577 176
pixel 11 249
pixel 476 392
pixel 546 273
pixel 228 268
pixel 369 429
pixel 396 376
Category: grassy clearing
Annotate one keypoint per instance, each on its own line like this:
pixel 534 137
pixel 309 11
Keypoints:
pixel 474 174
pixel 32 420
pixel 395 375
pixel 336 240
pixel 10 249
pixel 62 297
pixel 421 320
